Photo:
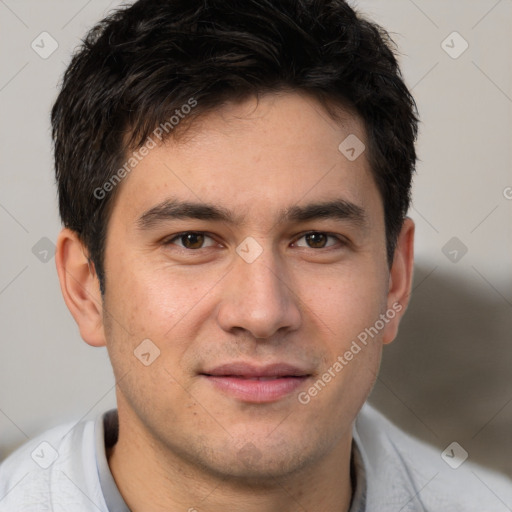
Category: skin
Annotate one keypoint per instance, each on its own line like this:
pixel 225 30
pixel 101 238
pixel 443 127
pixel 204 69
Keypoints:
pixel 183 443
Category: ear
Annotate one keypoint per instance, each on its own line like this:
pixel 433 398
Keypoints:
pixel 400 280
pixel 80 287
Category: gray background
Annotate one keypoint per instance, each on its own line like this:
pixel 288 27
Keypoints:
pixel 445 378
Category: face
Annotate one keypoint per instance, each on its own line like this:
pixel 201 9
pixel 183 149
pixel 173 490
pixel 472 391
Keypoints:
pixel 252 254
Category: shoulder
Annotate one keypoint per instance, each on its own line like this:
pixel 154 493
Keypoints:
pixel 49 471
pixel 404 472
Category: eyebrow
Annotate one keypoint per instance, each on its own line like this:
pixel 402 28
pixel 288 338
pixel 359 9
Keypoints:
pixel 338 209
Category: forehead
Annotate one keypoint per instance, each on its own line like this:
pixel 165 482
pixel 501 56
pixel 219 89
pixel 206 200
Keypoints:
pixel 256 158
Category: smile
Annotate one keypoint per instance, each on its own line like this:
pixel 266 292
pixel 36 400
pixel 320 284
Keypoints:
pixel 254 384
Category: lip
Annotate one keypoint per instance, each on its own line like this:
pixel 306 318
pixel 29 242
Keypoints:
pixel 256 384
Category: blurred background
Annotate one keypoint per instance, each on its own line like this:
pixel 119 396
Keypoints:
pixel 448 375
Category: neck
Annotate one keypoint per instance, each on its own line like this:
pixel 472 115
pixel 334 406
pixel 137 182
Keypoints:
pixel 153 479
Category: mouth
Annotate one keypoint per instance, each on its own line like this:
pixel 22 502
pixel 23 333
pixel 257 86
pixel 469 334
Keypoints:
pixel 256 384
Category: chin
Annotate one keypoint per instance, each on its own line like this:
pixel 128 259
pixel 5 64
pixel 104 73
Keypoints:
pixel 258 465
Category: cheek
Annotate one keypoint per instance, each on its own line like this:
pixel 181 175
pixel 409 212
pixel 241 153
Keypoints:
pixel 347 300
pixel 350 306
pixel 153 300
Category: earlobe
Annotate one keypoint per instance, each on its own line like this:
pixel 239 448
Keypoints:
pixel 400 278
pixel 80 287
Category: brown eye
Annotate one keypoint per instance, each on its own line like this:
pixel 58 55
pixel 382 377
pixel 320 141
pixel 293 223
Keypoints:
pixel 319 240
pixel 316 240
pixel 191 240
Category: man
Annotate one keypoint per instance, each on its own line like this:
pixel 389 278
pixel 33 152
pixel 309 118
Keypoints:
pixel 234 179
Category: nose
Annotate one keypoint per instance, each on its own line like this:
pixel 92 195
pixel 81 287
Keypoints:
pixel 258 298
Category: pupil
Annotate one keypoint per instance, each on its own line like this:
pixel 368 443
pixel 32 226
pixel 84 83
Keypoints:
pixel 193 240
pixel 316 240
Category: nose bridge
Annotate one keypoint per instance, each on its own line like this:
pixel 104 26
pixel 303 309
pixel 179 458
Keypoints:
pixel 263 279
pixel 259 299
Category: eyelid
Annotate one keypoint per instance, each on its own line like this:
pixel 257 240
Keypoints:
pixel 170 239
pixel 341 240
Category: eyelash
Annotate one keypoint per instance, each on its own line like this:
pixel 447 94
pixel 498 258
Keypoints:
pixel 341 241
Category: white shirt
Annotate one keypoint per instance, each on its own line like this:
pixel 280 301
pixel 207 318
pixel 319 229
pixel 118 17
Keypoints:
pixel 65 470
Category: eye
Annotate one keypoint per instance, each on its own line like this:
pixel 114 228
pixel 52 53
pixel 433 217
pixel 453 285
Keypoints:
pixel 318 240
pixel 190 240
